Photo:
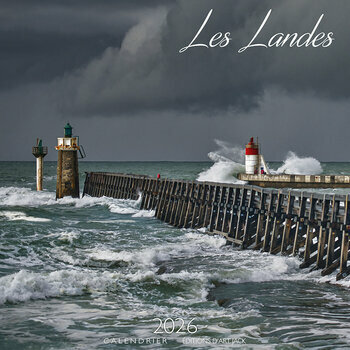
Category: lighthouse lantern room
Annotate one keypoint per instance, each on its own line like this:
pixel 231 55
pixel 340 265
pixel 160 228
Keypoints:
pixel 68 142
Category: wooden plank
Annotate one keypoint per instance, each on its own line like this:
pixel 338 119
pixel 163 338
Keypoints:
pixel 171 201
pixel 300 228
pixel 202 206
pixel 241 214
pixel 249 217
pixel 268 225
pixel 234 210
pixel 344 270
pixel 227 211
pixel 175 206
pixel 162 198
pixel 261 221
pixel 309 234
pixel 276 224
pixel 332 234
pixel 287 224
pixel 196 205
pixel 183 205
pixel 322 235
pixel 214 208
pixel 177 209
pixel 220 210
pixel 189 206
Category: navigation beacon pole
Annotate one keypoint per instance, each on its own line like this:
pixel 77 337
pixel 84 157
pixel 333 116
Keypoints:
pixel 39 151
pixel 67 164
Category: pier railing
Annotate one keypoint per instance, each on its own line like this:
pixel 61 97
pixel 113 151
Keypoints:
pixel 313 226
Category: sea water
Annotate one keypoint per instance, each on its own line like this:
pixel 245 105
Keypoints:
pixel 98 273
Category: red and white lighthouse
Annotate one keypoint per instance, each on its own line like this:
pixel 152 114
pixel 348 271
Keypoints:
pixel 252 157
pixel 254 161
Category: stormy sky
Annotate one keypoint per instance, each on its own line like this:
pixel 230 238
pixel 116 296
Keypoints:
pixel 114 71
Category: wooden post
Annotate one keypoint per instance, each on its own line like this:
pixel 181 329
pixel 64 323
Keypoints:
pixel 344 271
pixel 227 214
pixel 234 210
pixel 241 216
pixel 276 224
pixel 260 220
pixel 300 229
pixel 249 217
pixel 309 235
pixel 268 215
pixel 287 224
pixel 322 234
pixel 203 205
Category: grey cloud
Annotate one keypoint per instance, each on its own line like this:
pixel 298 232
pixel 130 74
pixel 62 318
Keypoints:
pixel 113 70
pixel 43 40
pixel 148 73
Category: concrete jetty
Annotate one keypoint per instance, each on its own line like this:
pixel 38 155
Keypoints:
pixel 296 181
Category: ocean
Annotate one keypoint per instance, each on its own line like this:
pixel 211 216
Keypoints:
pixel 98 273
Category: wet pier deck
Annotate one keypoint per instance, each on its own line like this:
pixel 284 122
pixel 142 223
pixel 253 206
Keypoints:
pixel 297 181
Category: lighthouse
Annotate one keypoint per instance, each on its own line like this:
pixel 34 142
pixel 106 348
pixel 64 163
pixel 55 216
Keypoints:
pixel 252 160
pixel 67 164
pixel 39 152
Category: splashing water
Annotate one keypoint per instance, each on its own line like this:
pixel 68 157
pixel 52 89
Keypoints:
pixel 74 272
pixel 300 165
pixel 228 161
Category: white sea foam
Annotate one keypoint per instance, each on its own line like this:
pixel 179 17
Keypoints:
pixel 300 165
pixel 144 257
pixel 21 196
pixel 25 285
pixel 212 241
pixel 68 236
pixel 25 197
pixel 227 163
pixel 144 214
pixel 20 216
pixel 118 209
pixel 192 245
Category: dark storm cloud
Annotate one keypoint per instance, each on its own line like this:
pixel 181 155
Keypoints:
pixel 112 68
pixel 121 57
pixel 148 73
pixel 42 40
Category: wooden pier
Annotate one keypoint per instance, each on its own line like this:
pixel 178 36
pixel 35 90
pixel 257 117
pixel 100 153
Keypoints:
pixel 313 226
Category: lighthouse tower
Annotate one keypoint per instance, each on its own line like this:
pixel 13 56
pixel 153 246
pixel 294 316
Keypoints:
pixel 252 159
pixel 39 152
pixel 67 164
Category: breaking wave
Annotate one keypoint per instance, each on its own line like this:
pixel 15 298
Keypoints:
pixel 228 161
pixel 24 285
pixel 25 197
pixel 300 165
pixel 20 216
